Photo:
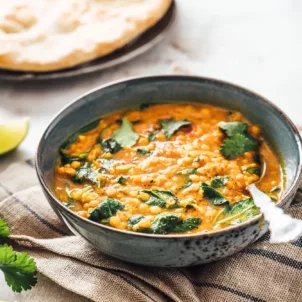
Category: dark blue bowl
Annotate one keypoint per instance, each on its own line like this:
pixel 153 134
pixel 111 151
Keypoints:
pixel 169 250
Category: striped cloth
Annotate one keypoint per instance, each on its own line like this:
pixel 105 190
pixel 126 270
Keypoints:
pixel 74 271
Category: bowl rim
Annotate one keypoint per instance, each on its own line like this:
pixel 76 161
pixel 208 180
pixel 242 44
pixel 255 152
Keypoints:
pixel 292 189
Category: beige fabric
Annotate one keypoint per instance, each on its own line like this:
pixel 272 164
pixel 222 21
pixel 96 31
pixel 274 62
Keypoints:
pixel 46 35
pixel 262 272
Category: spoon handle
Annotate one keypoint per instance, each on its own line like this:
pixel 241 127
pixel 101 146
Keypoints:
pixel 283 227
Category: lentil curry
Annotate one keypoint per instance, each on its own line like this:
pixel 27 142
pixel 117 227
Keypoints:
pixel 166 169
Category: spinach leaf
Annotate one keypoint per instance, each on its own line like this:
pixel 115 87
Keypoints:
pixel 110 145
pixel 143 152
pixel 154 201
pixel 161 197
pixel 161 194
pixel 253 170
pixel 237 145
pixel 187 171
pixel 214 196
pixel 170 126
pixel 233 128
pixel 186 225
pixel 135 219
pixel 85 172
pixel 164 223
pixel 124 135
pixel 219 181
pixel 243 209
pixel 106 209
pixel 66 159
pixel 152 136
pixel 121 180
pixel 187 183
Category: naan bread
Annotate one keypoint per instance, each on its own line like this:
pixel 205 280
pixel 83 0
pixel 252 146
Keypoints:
pixel 46 35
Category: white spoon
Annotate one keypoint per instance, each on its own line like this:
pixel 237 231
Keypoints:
pixel 283 227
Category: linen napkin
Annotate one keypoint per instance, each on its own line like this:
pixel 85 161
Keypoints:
pixel 261 272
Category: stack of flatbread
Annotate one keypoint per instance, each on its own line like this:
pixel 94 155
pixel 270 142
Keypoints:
pixel 47 35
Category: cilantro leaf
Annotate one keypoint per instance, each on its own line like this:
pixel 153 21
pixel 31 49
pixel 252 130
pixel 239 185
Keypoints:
pixel 143 152
pixel 243 209
pixel 186 225
pixel 170 126
pixel 4 230
pixel 106 209
pixel 237 145
pixel 187 171
pixel 233 128
pixel 19 269
pixel 110 145
pixel 214 196
pixel 125 136
pixel 219 181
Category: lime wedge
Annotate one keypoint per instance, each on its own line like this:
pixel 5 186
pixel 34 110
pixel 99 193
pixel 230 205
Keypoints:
pixel 12 134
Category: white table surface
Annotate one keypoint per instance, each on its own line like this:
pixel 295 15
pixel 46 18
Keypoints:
pixel 256 44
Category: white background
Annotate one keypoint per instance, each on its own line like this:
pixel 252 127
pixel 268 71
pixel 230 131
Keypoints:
pixel 257 44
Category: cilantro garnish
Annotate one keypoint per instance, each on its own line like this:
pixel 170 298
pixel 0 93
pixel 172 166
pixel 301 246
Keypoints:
pixel 170 126
pixel 232 128
pixel 19 268
pixel 238 141
pixel 124 135
pixel 237 145
pixel 4 230
pixel 214 196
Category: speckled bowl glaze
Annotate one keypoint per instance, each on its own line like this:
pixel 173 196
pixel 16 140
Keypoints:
pixel 169 250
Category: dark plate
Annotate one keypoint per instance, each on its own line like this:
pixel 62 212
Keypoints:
pixel 135 48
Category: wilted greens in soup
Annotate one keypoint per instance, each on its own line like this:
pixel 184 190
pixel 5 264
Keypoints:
pixel 166 169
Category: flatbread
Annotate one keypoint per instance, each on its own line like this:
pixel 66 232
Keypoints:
pixel 47 35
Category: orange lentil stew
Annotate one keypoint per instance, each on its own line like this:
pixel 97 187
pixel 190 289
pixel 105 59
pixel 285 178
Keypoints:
pixel 166 169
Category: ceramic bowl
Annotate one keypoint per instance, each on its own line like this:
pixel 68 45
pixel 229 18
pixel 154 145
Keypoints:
pixel 169 250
